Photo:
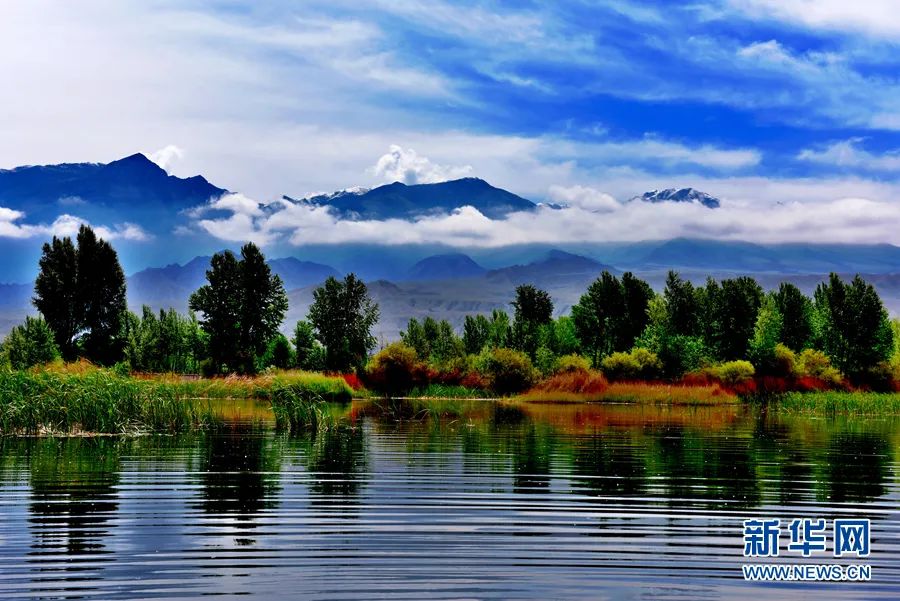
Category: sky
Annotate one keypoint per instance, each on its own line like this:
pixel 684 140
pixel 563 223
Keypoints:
pixel 787 110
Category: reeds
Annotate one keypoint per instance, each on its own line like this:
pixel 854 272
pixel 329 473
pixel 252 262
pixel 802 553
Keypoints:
pixel 839 402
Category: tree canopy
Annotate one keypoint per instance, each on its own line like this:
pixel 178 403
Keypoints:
pixel 343 315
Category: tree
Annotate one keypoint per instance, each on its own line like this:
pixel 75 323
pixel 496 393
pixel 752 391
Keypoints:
pixel 55 293
pixel 731 310
pixel 310 355
pixel 80 291
pixel 343 315
pixel 533 309
pixel 796 312
pixel 598 316
pixel 855 330
pixel 101 295
pixel 31 343
pixel 766 335
pixel 279 353
pixel 476 332
pixel 499 330
pixel 637 294
pixel 243 304
pixel 682 305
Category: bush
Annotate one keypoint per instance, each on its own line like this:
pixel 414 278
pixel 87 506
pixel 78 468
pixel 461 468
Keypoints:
pixel 816 364
pixel 732 373
pixel 508 371
pixel 639 364
pixel 30 344
pixel 681 354
pixel 545 361
pixel 785 362
pixel 279 353
pixel 575 382
pixel 395 370
pixel 572 363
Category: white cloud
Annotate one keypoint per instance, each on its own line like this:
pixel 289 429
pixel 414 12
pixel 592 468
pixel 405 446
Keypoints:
pixel 842 220
pixel 847 153
pixel 872 17
pixel 589 199
pixel 11 226
pixel 164 157
pixel 405 165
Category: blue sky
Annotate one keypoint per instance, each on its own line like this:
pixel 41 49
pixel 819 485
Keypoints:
pixel 760 102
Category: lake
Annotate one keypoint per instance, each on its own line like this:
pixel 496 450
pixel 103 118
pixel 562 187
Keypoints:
pixel 469 500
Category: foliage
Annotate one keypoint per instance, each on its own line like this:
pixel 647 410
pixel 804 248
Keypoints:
pixel 680 354
pixel 572 362
pixel 854 328
pixel 507 370
pixel 243 304
pixel 533 311
pixel 31 343
pixel 80 292
pixel 732 373
pixel 581 382
pixel 611 314
pixel 729 315
pixel 279 354
pixel 395 370
pixel 499 332
pixel 816 364
pixel 796 312
pixel 682 306
pixel 639 364
pixel 343 315
pixel 309 352
pixel 476 333
pixel 164 342
pixel 766 336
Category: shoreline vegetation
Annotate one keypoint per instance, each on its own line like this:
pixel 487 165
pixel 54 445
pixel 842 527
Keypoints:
pixel 88 364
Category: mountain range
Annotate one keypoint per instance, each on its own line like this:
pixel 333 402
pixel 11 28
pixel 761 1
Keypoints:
pixel 413 280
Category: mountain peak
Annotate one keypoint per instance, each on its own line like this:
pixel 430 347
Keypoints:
pixel 402 201
pixel 689 195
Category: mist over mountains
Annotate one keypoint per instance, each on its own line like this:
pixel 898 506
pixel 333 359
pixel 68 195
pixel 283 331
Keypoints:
pixel 147 214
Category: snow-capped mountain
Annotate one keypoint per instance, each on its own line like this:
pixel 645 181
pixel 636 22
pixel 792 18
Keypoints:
pixel 682 195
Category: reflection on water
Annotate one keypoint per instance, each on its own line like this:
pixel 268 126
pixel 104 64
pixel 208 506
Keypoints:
pixel 455 499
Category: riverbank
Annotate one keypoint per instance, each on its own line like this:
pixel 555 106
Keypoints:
pixel 78 398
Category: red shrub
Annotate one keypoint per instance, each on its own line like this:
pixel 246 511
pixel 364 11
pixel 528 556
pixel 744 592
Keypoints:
pixel 582 382
pixel 353 381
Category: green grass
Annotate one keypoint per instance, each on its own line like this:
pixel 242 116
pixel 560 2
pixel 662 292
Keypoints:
pixel 444 391
pixel 97 402
pixel 837 402
pixel 80 399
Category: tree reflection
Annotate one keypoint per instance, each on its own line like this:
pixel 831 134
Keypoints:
pixel 609 464
pixel 73 493
pixel 336 460
pixel 856 467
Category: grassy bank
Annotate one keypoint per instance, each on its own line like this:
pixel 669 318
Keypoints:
pixel 637 392
pixel 81 398
pixel 839 402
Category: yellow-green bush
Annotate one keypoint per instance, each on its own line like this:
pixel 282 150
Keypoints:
pixel 395 370
pixel 639 364
pixel 508 371
pixel 572 363
pixel 816 364
pixel 732 373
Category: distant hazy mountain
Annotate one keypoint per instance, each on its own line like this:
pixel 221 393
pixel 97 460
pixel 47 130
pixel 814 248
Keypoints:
pixel 132 185
pixel 682 195
pixel 555 265
pixel 172 285
pixel 445 267
pixel 399 201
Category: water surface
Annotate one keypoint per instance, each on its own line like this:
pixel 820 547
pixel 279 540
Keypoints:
pixel 474 500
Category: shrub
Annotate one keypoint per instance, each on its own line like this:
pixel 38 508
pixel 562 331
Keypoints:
pixel 29 344
pixel 508 371
pixel 279 353
pixel 572 363
pixel 395 370
pixel 785 362
pixel 816 364
pixel 639 364
pixel 576 382
pixel 681 354
pixel 545 360
pixel 732 373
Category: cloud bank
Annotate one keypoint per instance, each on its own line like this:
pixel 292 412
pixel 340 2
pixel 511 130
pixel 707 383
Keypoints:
pixel 11 226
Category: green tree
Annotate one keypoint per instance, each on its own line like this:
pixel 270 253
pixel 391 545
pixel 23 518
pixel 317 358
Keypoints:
pixel 598 316
pixel 682 305
pixel 565 337
pixel 31 343
pixel 533 309
pixel 80 292
pixel 637 295
pixel 797 316
pixel 416 338
pixel 279 353
pixel 766 336
pixel 476 333
pixel 731 310
pixel 855 331
pixel 310 354
pixel 101 297
pixel 55 293
pixel 243 304
pixel 499 331
pixel 343 315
